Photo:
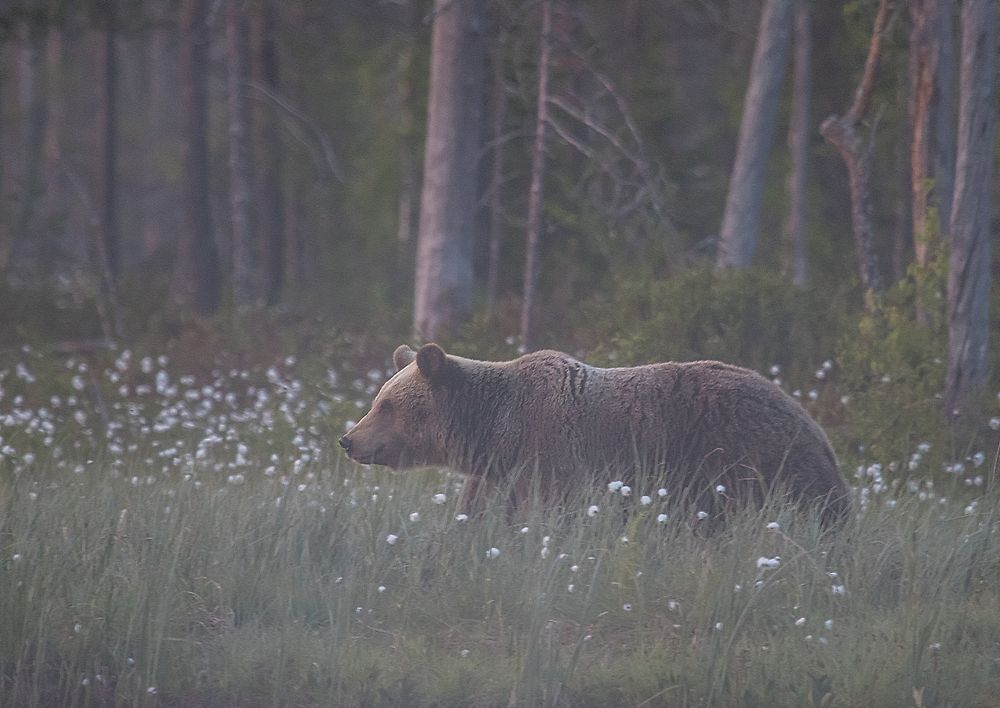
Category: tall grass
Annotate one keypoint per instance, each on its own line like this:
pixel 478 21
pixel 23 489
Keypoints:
pixel 264 594
pixel 196 542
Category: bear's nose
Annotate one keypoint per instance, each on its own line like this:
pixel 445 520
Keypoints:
pixel 345 443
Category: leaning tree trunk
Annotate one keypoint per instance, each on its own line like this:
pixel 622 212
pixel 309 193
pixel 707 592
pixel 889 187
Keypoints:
pixel 842 133
pixel 444 277
pixel 198 259
pixel 798 143
pixel 741 220
pixel 240 163
pixel 969 266
pixel 534 229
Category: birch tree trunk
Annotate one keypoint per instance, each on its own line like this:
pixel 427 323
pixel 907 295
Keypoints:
pixel 741 220
pixel 240 162
pixel 969 266
pixel 842 133
pixel 444 277
pixel 535 196
pixel 198 258
pixel 798 143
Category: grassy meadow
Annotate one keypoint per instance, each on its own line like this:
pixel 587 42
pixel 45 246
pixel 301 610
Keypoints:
pixel 183 538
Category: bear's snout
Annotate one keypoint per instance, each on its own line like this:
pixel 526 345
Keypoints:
pixel 345 442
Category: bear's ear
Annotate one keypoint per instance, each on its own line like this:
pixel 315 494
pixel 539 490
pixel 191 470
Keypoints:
pixel 403 356
pixel 432 361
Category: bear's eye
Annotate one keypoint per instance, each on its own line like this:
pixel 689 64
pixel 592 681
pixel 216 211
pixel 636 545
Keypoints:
pixel 384 407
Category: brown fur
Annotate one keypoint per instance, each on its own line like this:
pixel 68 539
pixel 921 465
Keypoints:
pixel 686 425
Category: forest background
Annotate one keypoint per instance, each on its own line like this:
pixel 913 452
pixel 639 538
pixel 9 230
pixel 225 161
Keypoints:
pixel 197 194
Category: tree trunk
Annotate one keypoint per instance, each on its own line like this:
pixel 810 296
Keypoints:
pixel 969 266
pixel 265 71
pixel 532 266
pixel 798 143
pixel 32 109
pixel 842 133
pixel 107 127
pixel 499 108
pixel 932 147
pixel 198 258
pixel 55 213
pixel 444 277
pixel 741 220
pixel 240 163
pixel 108 247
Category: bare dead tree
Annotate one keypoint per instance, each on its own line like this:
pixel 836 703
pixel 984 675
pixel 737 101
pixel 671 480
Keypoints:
pixel 843 133
pixel 969 266
pixel 535 195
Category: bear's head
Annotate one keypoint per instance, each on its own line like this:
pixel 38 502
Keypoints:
pixel 405 428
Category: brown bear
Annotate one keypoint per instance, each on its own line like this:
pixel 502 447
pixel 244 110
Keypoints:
pixel 714 430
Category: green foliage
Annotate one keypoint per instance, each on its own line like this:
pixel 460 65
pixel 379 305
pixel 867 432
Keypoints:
pixel 753 317
pixel 894 366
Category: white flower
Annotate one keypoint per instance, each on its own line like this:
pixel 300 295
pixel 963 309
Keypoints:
pixel 828 624
pixel 774 526
pixel 977 459
pixel 391 539
pixel 720 489
pixel 464 652
pixel 381 588
pixel 768 563
pixel 645 500
pixel 702 515
pixel 995 423
pixel 493 553
pixel 718 626
pixel 615 486
pixel 627 607
pixel 673 605
pixel 16 557
pixel 838 590
pixel 544 552
pixel 415 516
pixel 593 509
pixel 236 479
pixel 525 529
pixel 800 622
pixel 662 519
pixel 662 492
pixel 626 490
pixel 571 588
pixel 775 370
pixel 461 517
pixel 151 690
pixel 439 498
